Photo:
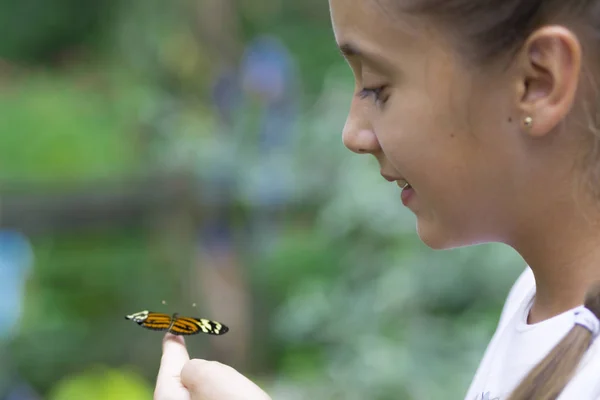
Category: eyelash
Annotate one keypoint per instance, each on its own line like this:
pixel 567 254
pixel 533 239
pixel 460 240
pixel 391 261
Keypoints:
pixel 375 92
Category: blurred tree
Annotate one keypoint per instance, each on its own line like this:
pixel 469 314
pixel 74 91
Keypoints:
pixel 42 31
pixel 217 28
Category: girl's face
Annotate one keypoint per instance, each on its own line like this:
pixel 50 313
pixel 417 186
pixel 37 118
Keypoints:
pixel 452 131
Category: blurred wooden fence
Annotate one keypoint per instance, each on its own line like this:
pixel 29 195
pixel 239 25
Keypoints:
pixel 40 209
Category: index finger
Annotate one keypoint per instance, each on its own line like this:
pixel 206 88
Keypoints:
pixel 174 357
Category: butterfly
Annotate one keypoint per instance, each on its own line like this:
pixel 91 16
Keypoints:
pixel 177 325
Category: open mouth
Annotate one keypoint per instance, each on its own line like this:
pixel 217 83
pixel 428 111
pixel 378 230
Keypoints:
pixel 403 184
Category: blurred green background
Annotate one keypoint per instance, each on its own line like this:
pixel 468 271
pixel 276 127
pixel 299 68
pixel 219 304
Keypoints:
pixel 186 156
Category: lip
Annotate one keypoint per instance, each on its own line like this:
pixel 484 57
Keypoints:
pixel 407 191
pixel 407 194
pixel 401 182
pixel 390 178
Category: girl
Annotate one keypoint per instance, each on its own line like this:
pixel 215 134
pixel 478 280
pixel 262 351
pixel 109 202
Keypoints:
pixel 484 112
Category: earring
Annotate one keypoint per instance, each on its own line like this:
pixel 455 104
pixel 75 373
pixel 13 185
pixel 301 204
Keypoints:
pixel 528 121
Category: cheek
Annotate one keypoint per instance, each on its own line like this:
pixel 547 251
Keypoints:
pixel 461 203
pixel 452 177
pixel 402 128
pixel 415 138
pixel 459 175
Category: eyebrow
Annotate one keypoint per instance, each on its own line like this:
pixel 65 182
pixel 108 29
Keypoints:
pixel 350 50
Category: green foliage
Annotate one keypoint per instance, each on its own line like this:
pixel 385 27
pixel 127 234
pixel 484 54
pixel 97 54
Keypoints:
pixel 102 384
pixel 350 305
pixel 59 129
pixel 37 31
pixel 82 287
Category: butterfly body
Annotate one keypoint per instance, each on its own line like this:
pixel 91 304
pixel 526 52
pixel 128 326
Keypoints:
pixel 177 325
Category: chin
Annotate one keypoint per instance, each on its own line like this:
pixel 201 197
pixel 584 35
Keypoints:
pixel 437 238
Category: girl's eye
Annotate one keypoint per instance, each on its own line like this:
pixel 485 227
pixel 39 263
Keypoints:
pixel 375 92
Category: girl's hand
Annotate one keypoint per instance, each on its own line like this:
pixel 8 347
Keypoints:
pixel 180 378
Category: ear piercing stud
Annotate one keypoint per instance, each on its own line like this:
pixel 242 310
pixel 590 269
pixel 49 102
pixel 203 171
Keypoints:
pixel 528 121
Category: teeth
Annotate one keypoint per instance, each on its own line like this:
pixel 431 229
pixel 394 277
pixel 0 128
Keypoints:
pixel 402 183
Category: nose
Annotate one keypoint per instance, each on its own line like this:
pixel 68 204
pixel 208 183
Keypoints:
pixel 361 141
pixel 358 135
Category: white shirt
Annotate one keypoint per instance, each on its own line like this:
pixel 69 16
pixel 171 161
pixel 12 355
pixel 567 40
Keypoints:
pixel 517 347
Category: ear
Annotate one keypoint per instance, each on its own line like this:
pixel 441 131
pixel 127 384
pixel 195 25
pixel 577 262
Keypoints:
pixel 551 60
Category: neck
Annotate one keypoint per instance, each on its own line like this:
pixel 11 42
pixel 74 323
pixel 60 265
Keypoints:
pixel 564 254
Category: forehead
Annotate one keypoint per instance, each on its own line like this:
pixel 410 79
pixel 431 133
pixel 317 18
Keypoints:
pixel 370 25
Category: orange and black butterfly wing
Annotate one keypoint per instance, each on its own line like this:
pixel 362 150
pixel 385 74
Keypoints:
pixel 151 320
pixel 192 326
pixel 157 321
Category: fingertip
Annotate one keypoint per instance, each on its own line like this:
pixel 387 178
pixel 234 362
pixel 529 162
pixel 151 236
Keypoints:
pixel 170 338
pixel 174 349
pixel 174 356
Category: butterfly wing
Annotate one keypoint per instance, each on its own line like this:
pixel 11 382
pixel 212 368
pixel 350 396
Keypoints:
pixel 157 321
pixel 151 320
pixel 192 326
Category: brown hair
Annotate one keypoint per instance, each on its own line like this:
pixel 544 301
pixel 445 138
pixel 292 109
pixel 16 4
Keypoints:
pixel 487 29
pixel 547 379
